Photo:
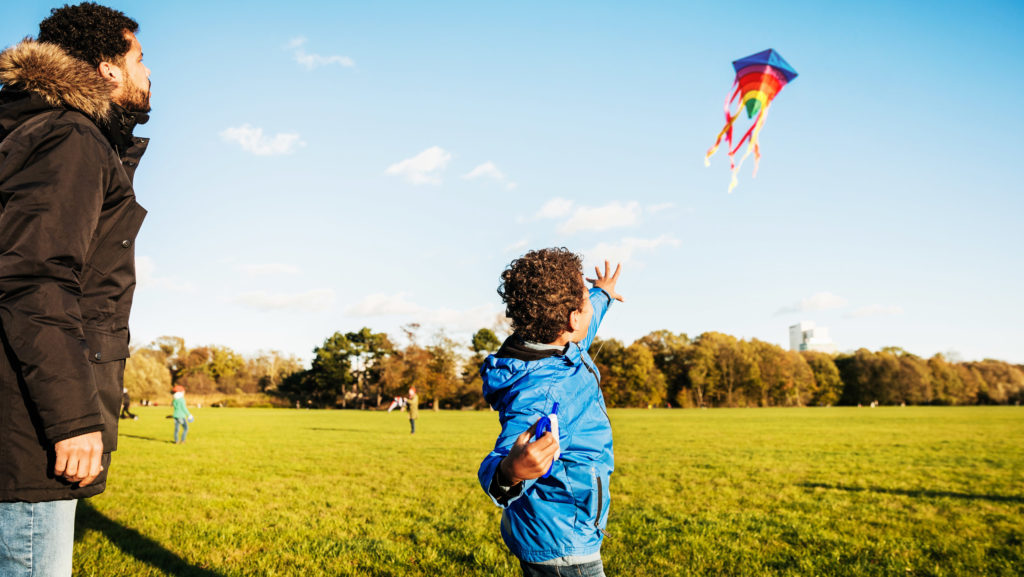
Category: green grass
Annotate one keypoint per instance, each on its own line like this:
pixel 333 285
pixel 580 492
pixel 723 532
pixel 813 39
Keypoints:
pixel 837 491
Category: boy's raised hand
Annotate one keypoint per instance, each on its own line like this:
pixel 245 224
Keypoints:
pixel 606 281
pixel 528 460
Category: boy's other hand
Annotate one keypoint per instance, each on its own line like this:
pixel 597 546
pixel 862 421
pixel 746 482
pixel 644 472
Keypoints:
pixel 528 460
pixel 606 281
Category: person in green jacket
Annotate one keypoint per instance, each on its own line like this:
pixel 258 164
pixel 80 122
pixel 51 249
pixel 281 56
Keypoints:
pixel 182 417
pixel 414 409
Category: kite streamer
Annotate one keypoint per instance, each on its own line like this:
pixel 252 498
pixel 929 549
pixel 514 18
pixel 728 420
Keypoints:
pixel 759 79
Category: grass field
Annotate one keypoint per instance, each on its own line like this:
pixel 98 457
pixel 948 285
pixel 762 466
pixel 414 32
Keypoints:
pixel 836 491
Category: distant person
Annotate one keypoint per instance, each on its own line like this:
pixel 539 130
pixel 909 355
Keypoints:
pixel 554 524
pixel 182 416
pixel 126 402
pixel 414 409
pixel 70 101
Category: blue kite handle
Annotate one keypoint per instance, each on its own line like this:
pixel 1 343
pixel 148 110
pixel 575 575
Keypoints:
pixel 544 426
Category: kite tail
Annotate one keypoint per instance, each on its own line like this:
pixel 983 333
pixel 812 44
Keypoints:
pixel 730 118
pixel 751 136
pixel 753 146
pixel 757 143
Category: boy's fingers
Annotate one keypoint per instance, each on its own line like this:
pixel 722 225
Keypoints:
pixel 618 268
pixel 524 437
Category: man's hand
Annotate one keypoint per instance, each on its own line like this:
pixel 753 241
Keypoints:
pixel 78 458
pixel 606 282
pixel 529 460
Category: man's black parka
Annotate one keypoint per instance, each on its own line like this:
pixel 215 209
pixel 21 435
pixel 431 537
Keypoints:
pixel 68 221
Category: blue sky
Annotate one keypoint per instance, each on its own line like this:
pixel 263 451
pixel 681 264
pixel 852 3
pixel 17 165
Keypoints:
pixel 323 166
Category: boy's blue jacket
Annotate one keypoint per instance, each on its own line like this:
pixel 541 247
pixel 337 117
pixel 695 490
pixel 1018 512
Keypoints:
pixel 565 513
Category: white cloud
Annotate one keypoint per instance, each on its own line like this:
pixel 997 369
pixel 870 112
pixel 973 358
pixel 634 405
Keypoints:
pixel 379 305
pixel 146 278
pixel 656 208
pixel 875 311
pixel 822 301
pixel 612 215
pixel 424 168
pixel 311 61
pixel 555 208
pixel 316 300
pixel 253 140
pixel 623 250
pixel 267 269
pixel 491 171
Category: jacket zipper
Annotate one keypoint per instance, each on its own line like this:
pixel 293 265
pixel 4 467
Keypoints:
pixel 596 378
pixel 600 504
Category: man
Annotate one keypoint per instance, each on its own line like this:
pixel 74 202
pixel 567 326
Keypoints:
pixel 68 220
pixel 414 409
pixel 126 403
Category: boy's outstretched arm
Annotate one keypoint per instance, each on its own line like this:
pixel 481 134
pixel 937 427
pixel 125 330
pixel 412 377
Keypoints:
pixel 601 297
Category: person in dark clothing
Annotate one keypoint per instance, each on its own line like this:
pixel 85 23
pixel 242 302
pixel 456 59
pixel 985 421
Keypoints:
pixel 126 402
pixel 69 102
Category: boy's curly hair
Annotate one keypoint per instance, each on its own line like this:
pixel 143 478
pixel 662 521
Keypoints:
pixel 89 32
pixel 540 289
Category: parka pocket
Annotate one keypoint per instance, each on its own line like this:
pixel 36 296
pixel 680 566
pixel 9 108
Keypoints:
pixel 108 352
pixel 118 243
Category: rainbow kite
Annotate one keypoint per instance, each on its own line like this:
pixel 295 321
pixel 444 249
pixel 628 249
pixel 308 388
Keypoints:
pixel 759 78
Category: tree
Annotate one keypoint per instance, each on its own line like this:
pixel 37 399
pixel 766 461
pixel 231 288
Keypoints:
pixel 485 341
pixel 367 350
pixel 145 375
pixel 670 352
pixel 828 385
pixel 442 370
pixel 720 366
pixel 194 371
pixel 330 374
pixel 636 380
pixel 608 356
pixel 774 380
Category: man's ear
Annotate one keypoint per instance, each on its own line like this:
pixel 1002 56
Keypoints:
pixel 110 72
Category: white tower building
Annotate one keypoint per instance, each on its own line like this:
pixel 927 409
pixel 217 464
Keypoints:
pixel 807 337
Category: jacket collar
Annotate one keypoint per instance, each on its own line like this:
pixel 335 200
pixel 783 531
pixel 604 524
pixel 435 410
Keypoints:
pixel 515 347
pixel 60 79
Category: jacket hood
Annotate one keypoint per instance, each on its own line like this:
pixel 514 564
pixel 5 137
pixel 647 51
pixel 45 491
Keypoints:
pixel 502 370
pixel 60 79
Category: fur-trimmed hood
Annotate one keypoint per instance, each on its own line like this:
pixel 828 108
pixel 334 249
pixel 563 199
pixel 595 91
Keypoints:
pixel 59 78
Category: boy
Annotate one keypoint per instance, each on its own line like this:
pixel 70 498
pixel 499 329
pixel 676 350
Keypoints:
pixel 554 524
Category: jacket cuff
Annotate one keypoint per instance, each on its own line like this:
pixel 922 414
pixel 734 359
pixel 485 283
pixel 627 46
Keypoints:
pixel 605 293
pixel 76 432
pixel 502 490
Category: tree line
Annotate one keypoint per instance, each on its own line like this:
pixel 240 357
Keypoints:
pixel 363 369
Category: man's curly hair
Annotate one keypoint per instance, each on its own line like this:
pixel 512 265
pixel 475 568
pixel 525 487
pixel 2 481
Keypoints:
pixel 89 32
pixel 540 290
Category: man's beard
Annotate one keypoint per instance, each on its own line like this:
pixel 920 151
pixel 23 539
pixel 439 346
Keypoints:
pixel 134 98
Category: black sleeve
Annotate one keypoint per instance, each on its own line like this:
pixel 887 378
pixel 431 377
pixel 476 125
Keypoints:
pixel 51 207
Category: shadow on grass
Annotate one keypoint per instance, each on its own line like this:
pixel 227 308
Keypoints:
pixel 918 493
pixel 145 438
pixel 135 544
